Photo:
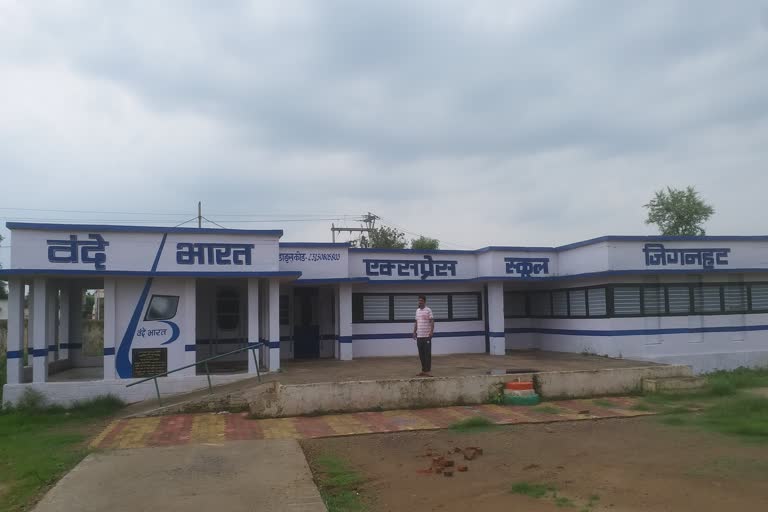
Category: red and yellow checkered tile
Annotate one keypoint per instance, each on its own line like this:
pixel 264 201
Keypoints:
pixel 214 428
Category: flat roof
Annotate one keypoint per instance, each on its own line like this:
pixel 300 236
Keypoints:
pixel 279 233
pixel 141 229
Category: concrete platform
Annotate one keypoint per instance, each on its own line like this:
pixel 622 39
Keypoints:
pixel 453 365
pixel 330 386
pixel 269 476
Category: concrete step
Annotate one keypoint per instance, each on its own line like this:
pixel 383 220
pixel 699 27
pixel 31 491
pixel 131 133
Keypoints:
pixel 672 384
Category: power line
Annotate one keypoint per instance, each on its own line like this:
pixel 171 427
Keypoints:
pixel 215 223
pixel 90 211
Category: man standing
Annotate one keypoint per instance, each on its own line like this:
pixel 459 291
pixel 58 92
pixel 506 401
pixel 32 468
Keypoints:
pixel 423 328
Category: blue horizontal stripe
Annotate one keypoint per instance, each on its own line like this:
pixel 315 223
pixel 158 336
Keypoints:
pixel 636 332
pixel 328 336
pixel 53 348
pixel 109 351
pixel 345 339
pixel 13 354
pixel 190 348
pixel 409 335
pixel 72 346
pixel 299 245
pixel 273 344
pixel 39 352
pixel 496 334
pixel 144 273
pixel 332 280
pixel 104 228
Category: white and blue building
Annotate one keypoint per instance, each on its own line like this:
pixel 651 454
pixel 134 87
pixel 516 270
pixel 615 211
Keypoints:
pixel 175 296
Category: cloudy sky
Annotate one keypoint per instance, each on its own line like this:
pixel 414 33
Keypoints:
pixel 486 122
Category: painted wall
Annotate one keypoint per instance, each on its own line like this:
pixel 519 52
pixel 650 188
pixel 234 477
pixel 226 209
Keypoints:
pixel 407 265
pixel 706 342
pixel 395 338
pixel 93 250
pixel 133 331
pixel 315 261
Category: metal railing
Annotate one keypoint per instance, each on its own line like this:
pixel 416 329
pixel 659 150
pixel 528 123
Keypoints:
pixel 252 347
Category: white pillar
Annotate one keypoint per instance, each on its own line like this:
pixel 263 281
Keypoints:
pixel 15 347
pixel 274 325
pixel 253 322
pixel 345 322
pixel 110 328
pixel 64 321
pixel 39 330
pixel 189 334
pixel 51 314
pixel 496 319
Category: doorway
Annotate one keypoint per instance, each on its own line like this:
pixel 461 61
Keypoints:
pixel 306 325
pixel 221 324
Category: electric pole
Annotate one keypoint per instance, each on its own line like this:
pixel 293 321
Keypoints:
pixel 369 221
pixel 199 214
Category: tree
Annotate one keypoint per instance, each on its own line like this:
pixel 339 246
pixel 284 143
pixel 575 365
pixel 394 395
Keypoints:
pixel 384 238
pixel 678 212
pixel 90 299
pixel 424 242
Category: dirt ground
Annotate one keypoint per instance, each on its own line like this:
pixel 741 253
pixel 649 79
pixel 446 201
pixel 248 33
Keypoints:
pixel 638 465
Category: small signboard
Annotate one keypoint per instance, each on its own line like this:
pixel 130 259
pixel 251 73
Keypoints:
pixel 148 362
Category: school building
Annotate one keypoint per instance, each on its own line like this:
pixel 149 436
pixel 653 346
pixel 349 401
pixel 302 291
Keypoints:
pixel 176 296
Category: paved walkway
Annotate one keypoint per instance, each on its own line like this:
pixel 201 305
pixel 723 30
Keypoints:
pixel 268 476
pixel 212 428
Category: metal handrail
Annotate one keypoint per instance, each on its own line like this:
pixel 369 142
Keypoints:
pixel 253 347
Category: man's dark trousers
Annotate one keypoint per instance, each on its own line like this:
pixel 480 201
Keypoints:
pixel 425 353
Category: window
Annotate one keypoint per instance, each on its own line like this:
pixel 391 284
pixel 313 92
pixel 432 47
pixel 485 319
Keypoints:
pixel 735 298
pixel 284 311
pixel 577 300
pixel 405 307
pixel 228 309
pixel 759 297
pixel 597 302
pixel 162 307
pixel 679 299
pixel 439 306
pixel 402 307
pixel 466 307
pixel 514 304
pixel 376 308
pixel 706 299
pixel 626 300
pixel 560 303
pixel 541 304
pixel 653 301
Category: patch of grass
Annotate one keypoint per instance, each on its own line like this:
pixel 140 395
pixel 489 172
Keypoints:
pixel 640 406
pixel 739 378
pixel 563 502
pixel 601 402
pixel 338 485
pixel 532 490
pixel 741 415
pixel 547 409
pixel 39 444
pixel 473 424
pixel 745 416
